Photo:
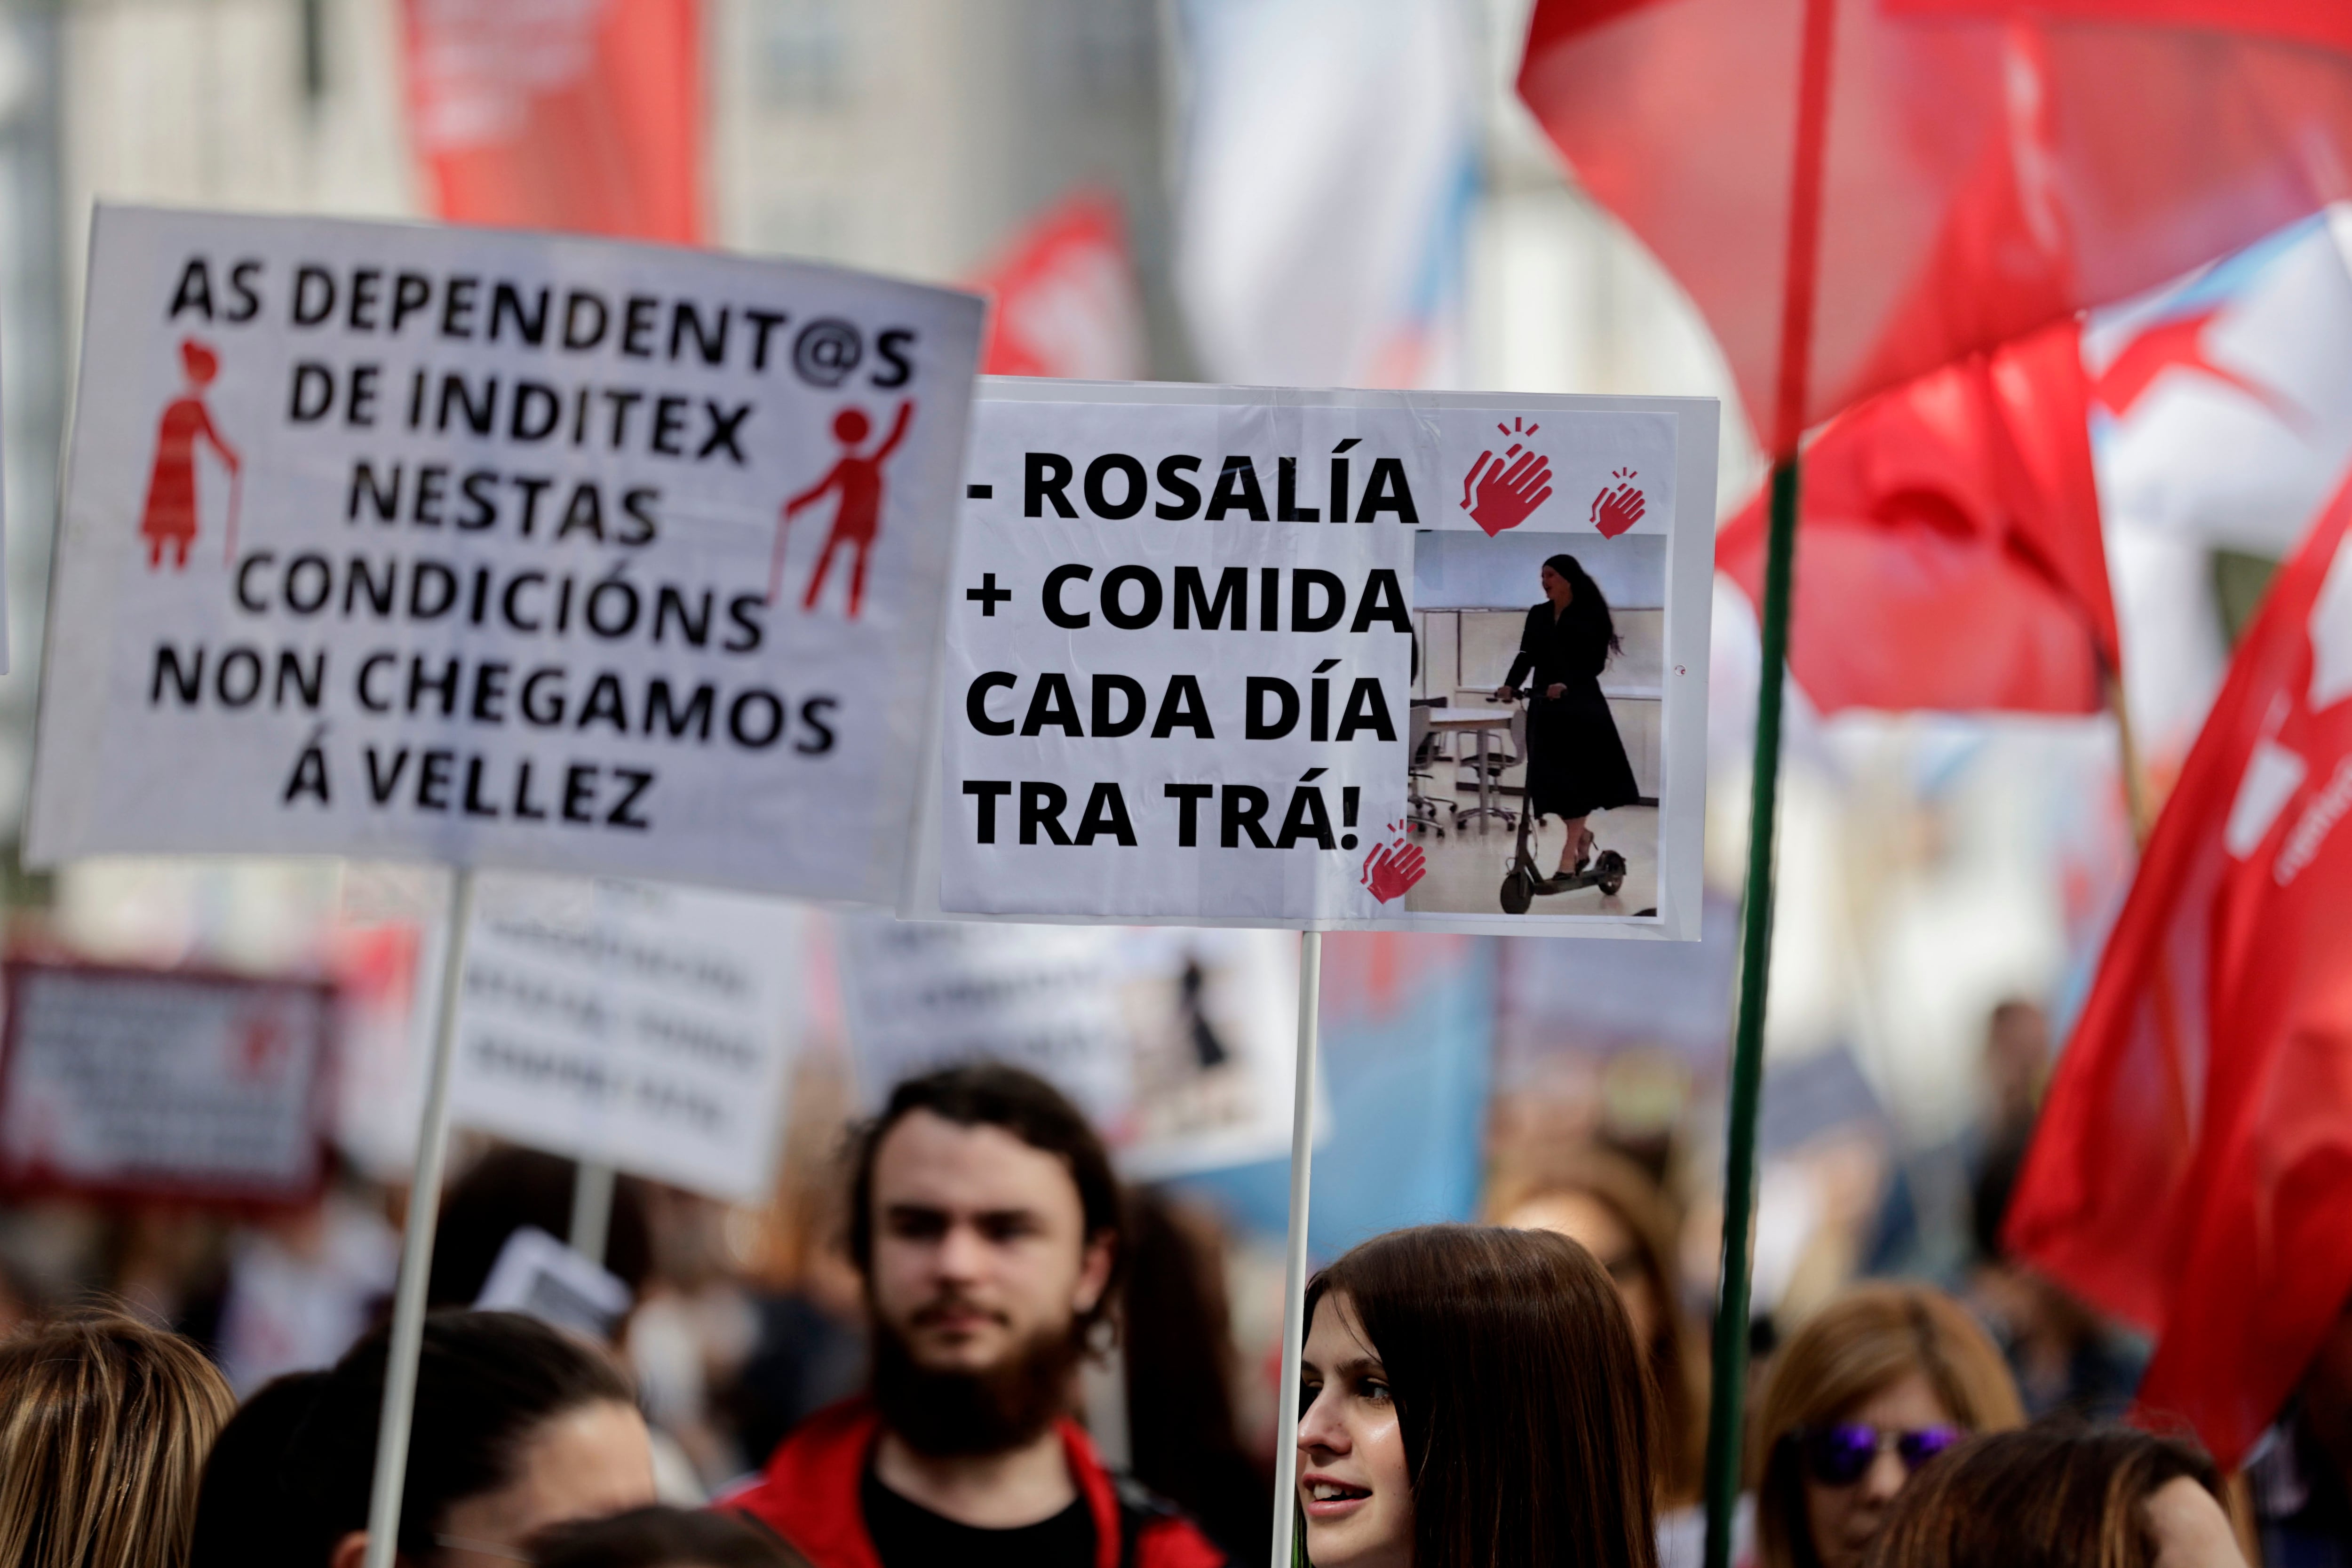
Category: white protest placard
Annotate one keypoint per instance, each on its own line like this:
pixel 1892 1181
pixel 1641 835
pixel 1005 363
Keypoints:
pixel 1230 656
pixel 177 1085
pixel 1211 1015
pixel 922 994
pixel 498 548
pixel 1176 1044
pixel 631 1023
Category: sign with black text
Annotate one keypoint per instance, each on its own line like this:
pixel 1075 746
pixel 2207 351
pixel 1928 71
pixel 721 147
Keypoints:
pixel 1175 1043
pixel 639 1025
pixel 1221 655
pixel 163 1084
pixel 498 548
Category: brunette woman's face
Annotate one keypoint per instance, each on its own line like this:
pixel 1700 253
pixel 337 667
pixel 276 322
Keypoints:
pixel 1843 1521
pixel 1556 587
pixel 1352 1481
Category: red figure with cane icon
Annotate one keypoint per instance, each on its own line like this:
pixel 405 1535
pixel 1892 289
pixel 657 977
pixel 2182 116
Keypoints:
pixel 170 521
pixel 859 515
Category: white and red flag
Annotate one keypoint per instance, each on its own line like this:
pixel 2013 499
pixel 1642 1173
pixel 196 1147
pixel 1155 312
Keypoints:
pixel 1964 171
pixel 2193 1168
pixel 2220 417
pixel 1062 300
pixel 1329 152
pixel 580 115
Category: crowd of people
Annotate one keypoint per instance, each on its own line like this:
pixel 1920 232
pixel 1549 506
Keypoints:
pixel 1522 1392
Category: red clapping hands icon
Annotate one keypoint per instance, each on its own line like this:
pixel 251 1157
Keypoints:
pixel 1614 511
pixel 1506 490
pixel 1394 864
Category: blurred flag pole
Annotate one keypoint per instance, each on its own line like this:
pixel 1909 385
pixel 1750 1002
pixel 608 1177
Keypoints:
pixel 1294 1274
pixel 416 1246
pixel 1727 1398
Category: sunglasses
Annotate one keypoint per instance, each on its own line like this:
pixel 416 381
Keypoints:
pixel 1841 1455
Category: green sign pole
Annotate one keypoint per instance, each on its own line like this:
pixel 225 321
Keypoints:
pixel 1728 1398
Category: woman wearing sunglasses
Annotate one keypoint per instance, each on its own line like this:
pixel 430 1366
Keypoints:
pixel 1872 1387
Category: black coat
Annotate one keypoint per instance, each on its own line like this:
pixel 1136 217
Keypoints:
pixel 1576 763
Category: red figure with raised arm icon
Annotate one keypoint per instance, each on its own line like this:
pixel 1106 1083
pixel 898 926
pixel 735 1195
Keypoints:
pixel 171 516
pixel 859 516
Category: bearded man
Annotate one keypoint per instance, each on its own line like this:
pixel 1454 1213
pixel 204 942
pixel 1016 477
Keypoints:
pixel 985 1222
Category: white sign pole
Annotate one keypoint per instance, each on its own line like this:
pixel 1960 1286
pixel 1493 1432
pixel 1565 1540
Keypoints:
pixel 417 1248
pixel 1294 1274
pixel 592 1209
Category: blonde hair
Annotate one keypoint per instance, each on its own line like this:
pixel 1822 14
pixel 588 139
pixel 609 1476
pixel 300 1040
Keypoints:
pixel 104 1427
pixel 1861 1343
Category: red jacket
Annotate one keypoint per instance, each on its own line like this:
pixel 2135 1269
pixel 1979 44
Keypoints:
pixel 809 1496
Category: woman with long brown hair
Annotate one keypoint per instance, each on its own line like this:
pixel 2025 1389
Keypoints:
pixel 1870 1388
pixel 1472 1395
pixel 2060 1497
pixel 104 1427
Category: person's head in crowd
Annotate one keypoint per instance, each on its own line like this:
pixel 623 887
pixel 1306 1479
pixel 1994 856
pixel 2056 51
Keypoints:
pixel 2016 1063
pixel 104 1427
pixel 1622 1217
pixel 662 1537
pixel 2060 1497
pixel 985 1221
pixel 1473 1394
pixel 510 1188
pixel 1867 1390
pixel 1176 1326
pixel 989 1240
pixel 517 1426
pixel 245 1516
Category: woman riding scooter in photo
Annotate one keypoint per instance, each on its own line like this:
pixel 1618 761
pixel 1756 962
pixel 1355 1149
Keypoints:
pixel 1576 763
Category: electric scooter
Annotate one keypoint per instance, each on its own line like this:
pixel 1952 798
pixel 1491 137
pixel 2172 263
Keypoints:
pixel 1525 881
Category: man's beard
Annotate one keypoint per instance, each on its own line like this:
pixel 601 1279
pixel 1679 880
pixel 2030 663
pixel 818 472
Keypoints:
pixel 948 1415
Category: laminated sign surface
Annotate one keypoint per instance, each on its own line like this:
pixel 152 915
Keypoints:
pixel 1341 659
pixel 498 548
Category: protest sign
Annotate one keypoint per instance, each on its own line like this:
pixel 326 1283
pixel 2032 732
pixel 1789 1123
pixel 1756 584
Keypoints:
pixel 629 1023
pixel 537 1274
pixel 1221 655
pixel 1174 1043
pixel 495 547
pixel 163 1084
pixel 926 995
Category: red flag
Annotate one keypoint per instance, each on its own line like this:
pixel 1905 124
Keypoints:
pixel 1064 299
pixel 1952 550
pixel 583 115
pixel 1986 168
pixel 2193 1167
